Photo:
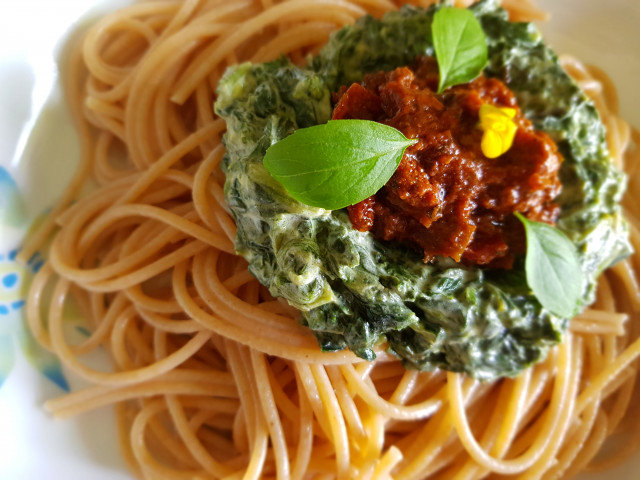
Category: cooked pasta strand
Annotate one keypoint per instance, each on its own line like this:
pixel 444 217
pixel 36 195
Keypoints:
pixel 213 378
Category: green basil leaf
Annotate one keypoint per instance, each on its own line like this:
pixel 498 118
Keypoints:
pixel 552 268
pixel 337 164
pixel 460 45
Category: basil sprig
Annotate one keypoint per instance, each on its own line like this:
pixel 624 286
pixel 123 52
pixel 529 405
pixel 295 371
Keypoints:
pixel 337 164
pixel 552 268
pixel 460 45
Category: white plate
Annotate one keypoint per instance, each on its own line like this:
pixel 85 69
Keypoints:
pixel 38 149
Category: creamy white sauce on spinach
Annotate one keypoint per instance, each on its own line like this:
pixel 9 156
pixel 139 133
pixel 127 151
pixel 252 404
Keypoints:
pixel 354 291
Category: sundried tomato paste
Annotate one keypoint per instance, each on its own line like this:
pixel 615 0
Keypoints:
pixel 446 198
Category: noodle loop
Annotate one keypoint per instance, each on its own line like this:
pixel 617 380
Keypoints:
pixel 214 378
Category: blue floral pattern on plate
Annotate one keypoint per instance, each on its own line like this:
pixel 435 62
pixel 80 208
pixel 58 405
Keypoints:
pixel 15 278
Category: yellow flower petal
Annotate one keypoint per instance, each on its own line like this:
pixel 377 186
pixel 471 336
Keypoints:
pixel 491 145
pixel 509 112
pixel 499 129
pixel 510 133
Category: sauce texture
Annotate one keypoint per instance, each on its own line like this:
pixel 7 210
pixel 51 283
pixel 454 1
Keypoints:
pixel 446 198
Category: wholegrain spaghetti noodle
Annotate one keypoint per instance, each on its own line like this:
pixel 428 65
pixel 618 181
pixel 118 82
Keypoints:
pixel 212 377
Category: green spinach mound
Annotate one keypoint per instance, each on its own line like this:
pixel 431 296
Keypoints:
pixel 354 291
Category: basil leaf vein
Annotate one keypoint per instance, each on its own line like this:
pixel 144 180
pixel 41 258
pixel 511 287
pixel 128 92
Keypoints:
pixel 337 164
pixel 460 45
pixel 552 268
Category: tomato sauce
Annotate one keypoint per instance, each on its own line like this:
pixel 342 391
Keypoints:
pixel 446 198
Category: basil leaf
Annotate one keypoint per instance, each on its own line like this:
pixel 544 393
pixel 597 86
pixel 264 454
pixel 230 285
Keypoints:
pixel 336 164
pixel 460 45
pixel 552 268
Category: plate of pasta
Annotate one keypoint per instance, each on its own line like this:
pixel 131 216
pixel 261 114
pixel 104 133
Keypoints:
pixel 320 239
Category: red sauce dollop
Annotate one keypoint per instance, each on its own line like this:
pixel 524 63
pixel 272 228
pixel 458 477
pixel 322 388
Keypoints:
pixel 446 198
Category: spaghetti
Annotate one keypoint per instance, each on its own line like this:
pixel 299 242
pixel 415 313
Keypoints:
pixel 212 377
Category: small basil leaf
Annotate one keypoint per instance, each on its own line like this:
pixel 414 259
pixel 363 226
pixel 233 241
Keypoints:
pixel 337 164
pixel 460 45
pixel 552 268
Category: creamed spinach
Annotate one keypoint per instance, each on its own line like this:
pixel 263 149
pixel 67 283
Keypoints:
pixel 354 291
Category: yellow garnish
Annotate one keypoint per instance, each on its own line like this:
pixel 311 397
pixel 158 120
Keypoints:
pixel 499 129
